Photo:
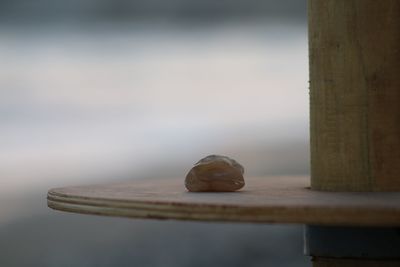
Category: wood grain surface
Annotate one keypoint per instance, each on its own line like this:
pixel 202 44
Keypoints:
pixel 280 199
pixel 354 94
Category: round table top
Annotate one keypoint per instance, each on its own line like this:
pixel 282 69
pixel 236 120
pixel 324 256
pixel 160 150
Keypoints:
pixel 277 199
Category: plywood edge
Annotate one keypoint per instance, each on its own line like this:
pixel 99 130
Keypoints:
pixel 321 215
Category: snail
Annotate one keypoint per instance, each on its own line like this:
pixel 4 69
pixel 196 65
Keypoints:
pixel 215 173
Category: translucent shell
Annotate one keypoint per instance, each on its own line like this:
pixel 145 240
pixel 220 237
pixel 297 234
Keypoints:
pixel 215 173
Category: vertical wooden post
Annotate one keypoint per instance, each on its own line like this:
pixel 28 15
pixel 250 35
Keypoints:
pixel 355 94
pixel 354 48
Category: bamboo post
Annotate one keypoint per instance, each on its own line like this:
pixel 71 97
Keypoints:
pixel 354 48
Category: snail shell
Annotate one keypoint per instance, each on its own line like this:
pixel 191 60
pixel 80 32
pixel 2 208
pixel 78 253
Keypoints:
pixel 215 173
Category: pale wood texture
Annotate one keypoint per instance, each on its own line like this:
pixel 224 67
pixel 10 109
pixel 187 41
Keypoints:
pixel 263 200
pixel 355 94
pixel 327 262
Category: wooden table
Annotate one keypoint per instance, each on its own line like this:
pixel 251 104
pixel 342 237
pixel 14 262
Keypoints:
pixel 355 146
pixel 279 199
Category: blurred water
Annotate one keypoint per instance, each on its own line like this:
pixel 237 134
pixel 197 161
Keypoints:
pixel 95 104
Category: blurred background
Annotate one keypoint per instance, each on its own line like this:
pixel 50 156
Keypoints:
pixel 102 91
